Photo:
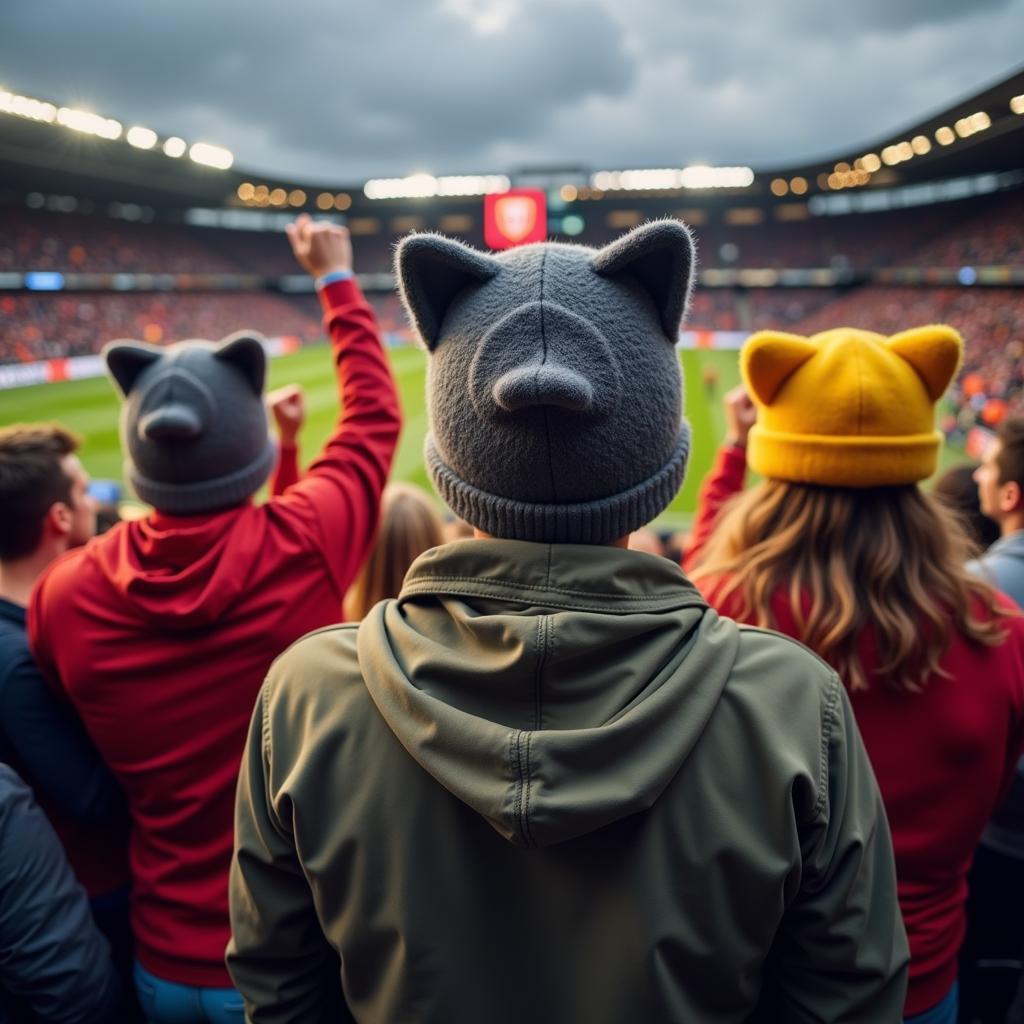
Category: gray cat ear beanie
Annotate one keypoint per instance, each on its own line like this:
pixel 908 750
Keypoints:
pixel 554 387
pixel 193 425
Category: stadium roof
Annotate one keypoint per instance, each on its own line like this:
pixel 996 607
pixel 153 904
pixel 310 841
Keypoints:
pixel 979 134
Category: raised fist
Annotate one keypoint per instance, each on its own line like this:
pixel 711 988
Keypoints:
pixel 320 247
pixel 287 405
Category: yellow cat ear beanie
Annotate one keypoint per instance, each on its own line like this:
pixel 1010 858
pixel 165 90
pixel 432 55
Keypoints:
pixel 848 408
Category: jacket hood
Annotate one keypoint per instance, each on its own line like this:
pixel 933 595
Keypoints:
pixel 554 689
pixel 171 569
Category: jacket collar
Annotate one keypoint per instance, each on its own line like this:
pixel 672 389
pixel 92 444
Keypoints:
pixel 578 576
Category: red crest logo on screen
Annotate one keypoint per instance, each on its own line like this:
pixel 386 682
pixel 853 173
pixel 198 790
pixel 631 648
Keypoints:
pixel 515 217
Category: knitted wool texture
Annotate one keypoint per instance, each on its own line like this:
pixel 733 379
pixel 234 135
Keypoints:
pixel 554 387
pixel 193 425
pixel 848 408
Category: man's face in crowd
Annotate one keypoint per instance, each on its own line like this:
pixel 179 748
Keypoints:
pixel 81 506
pixel 996 499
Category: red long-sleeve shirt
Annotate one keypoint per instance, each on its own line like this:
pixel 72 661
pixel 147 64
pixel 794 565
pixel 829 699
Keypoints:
pixel 942 757
pixel 286 470
pixel 162 631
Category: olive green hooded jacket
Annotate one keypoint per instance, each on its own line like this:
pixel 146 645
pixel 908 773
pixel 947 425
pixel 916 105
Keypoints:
pixel 549 784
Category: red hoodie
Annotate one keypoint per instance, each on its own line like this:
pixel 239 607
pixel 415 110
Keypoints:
pixel 942 757
pixel 161 632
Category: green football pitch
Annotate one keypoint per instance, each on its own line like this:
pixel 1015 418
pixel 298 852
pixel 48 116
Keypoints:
pixel 90 407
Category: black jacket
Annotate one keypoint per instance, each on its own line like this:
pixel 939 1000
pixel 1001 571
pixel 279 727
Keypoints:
pixel 55 965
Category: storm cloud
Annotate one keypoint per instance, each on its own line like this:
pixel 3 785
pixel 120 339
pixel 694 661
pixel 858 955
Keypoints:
pixel 329 92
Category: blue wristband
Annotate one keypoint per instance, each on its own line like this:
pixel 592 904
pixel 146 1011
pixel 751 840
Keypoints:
pixel 334 275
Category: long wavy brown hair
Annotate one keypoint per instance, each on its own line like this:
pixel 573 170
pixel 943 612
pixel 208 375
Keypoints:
pixel 889 559
pixel 409 525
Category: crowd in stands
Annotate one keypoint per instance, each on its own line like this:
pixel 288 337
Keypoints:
pixel 43 240
pixel 995 235
pixel 980 231
pixel 305 760
pixel 34 327
pixel 47 326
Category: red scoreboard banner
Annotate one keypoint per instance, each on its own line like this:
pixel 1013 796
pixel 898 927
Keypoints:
pixel 515 217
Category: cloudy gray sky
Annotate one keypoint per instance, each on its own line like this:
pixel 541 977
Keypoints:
pixel 337 92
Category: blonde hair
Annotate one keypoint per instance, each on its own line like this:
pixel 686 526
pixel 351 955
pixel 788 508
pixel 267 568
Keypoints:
pixel 409 525
pixel 888 559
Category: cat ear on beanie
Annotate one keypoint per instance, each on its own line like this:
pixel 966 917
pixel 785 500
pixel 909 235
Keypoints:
pixel 244 350
pixel 127 359
pixel 660 257
pixel 431 271
pixel 934 351
pixel 768 358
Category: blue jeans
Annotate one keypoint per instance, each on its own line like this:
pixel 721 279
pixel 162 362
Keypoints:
pixel 941 1013
pixel 164 1002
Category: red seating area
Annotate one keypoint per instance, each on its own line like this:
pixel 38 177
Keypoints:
pixel 36 327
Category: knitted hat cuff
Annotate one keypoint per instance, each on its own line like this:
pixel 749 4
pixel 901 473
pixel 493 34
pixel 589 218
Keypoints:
pixel 588 522
pixel 205 495
pixel 843 461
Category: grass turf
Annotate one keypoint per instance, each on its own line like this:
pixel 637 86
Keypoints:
pixel 90 407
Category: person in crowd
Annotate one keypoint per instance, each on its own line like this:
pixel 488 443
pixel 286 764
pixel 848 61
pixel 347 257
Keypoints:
pixel 993 952
pixel 645 539
pixel 409 525
pixel 55 965
pixel 958 489
pixel 162 630
pixel 287 408
pixel 46 510
pixel 839 548
pixel 547 782
pixel 1000 480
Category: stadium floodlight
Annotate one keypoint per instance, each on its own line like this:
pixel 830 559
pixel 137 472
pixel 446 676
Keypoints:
pixel 25 106
pixel 174 147
pixel 945 136
pixel 89 123
pixel 696 176
pixel 425 186
pixel 1017 104
pixel 211 156
pixel 141 138
pixel 963 127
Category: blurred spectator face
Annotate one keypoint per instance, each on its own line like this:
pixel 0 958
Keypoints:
pixel 43 497
pixel 958 489
pixel 81 505
pixel 998 499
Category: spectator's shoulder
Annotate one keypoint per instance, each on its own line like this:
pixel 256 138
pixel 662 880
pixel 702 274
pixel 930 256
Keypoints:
pixel 17 815
pixel 317 673
pixel 785 692
pixel 60 575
